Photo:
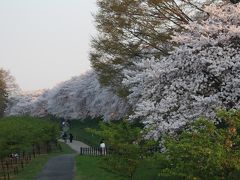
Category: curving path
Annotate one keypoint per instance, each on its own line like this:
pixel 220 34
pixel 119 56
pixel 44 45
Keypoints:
pixel 76 145
pixel 61 167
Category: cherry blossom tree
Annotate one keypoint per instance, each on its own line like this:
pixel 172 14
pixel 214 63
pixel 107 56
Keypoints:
pixel 82 97
pixel 199 76
pixel 22 103
pixel 39 107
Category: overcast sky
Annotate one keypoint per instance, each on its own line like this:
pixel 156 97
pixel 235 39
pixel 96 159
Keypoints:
pixel 44 42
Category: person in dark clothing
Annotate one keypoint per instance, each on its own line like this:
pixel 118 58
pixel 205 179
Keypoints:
pixel 64 136
pixel 70 137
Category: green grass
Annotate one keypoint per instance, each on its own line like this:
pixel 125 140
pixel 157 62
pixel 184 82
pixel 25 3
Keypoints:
pixel 88 168
pixel 32 169
pixel 78 129
pixel 147 169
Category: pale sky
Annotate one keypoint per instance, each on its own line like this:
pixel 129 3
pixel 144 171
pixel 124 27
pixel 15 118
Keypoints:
pixel 44 42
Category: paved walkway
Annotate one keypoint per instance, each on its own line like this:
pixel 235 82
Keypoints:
pixel 61 167
pixel 58 168
pixel 75 145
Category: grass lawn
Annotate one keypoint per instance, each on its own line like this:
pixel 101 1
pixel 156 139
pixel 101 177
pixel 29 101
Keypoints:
pixel 32 169
pixel 88 168
pixel 147 170
pixel 79 132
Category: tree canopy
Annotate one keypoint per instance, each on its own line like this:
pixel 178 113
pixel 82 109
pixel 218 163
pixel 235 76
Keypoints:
pixel 201 75
pixel 130 30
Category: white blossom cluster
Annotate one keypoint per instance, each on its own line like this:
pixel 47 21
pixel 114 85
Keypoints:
pixel 77 98
pixel 22 103
pixel 200 75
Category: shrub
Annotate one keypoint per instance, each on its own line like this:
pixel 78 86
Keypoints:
pixel 205 150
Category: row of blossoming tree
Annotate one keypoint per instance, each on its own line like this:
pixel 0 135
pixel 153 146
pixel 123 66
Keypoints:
pixel 77 98
pixel 199 76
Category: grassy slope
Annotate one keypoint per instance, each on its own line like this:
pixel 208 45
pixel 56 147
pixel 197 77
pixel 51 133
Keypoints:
pixel 149 170
pixel 146 170
pixel 31 170
pixel 88 168
pixel 78 129
pixel 79 132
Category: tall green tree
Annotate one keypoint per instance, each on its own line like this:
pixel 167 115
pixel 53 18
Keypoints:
pixel 130 30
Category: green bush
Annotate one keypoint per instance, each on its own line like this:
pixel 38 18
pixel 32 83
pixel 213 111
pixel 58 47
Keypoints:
pixel 127 146
pixel 205 150
pixel 78 129
pixel 21 133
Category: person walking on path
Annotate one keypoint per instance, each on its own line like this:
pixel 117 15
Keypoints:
pixel 70 137
pixel 102 147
